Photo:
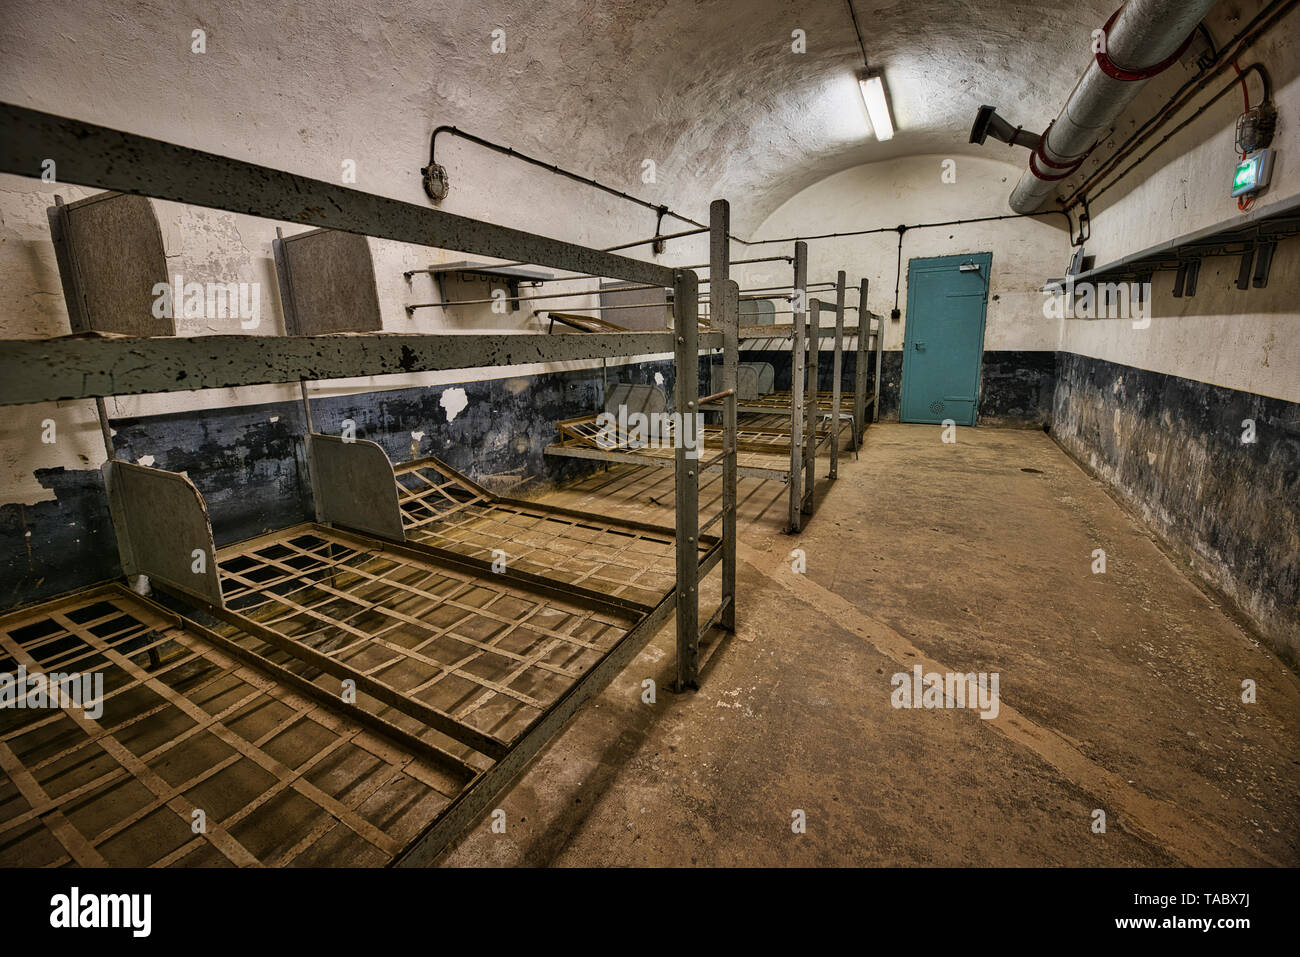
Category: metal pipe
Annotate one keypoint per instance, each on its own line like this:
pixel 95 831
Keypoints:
pixel 1223 58
pixel 860 371
pixel 894 229
pixel 880 348
pixel 811 406
pixel 306 405
pixel 812 285
pixel 102 411
pixel 1141 40
pixel 654 239
pixel 743 262
pixel 551 167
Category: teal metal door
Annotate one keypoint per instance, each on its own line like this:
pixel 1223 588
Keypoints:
pixel 944 339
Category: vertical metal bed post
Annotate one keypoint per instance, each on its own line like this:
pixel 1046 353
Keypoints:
pixel 811 406
pixel 798 305
pixel 686 390
pixel 837 367
pixel 724 310
pixel 860 369
pixel 101 410
pixel 880 348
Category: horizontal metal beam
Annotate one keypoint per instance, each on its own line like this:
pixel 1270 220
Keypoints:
pixel 47 370
pixel 775 474
pixel 96 156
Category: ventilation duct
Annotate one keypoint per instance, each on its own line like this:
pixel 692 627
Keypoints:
pixel 1141 39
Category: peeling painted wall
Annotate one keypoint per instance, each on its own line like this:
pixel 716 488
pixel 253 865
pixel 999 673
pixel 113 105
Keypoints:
pixel 248 462
pixel 1174 450
pixel 1157 412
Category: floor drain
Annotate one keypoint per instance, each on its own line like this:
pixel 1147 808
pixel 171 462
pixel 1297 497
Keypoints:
pixel 1034 471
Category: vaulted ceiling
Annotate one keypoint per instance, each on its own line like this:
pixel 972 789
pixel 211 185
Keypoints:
pixel 710 90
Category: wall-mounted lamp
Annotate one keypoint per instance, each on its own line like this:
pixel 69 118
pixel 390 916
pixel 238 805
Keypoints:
pixel 874 95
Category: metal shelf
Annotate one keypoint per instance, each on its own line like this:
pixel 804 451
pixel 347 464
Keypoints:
pixel 485 269
pixel 1253 236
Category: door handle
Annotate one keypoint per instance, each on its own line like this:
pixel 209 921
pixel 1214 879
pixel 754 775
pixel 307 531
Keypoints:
pixel 918 346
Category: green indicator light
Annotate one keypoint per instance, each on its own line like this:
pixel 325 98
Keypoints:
pixel 1245 174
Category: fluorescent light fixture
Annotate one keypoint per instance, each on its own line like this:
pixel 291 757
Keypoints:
pixel 873 94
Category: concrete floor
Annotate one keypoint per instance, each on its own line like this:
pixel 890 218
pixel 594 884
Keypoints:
pixel 1119 691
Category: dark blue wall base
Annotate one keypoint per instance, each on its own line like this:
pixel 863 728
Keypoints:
pixel 780 362
pixel 1015 388
pixel 54 546
pixel 1172 449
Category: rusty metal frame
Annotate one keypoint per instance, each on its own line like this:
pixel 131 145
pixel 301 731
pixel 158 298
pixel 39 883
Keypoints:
pixel 109 790
pixel 582 554
pixel 44 370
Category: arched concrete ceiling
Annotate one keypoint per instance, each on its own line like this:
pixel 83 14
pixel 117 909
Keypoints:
pixel 709 90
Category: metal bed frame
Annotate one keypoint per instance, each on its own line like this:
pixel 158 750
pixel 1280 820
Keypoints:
pixel 765 450
pixel 463 673
pixel 192 721
pixel 758 452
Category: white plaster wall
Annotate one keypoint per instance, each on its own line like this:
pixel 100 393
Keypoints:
pixel 1026 252
pixel 1240 340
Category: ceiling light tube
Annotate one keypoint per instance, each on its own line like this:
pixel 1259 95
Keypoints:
pixel 872 85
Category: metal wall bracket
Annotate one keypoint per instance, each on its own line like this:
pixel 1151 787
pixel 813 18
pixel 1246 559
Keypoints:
pixel 1243 273
pixel 1263 263
pixel 1185 278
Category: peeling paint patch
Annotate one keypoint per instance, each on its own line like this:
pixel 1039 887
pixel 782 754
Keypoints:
pixel 453 401
pixel 659 380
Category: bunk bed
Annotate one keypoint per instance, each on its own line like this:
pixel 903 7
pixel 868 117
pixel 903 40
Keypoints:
pixel 765 435
pixel 763 450
pixel 374 679
pixel 781 438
